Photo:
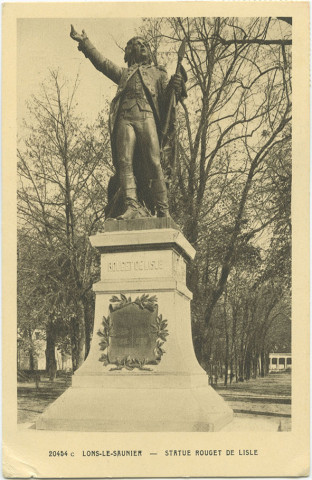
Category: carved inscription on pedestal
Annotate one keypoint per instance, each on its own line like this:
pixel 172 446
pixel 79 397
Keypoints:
pixel 132 334
pixel 137 265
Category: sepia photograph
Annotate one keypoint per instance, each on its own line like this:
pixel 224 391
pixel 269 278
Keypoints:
pixel 154 240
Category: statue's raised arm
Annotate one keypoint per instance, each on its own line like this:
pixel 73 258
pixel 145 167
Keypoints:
pixel 101 63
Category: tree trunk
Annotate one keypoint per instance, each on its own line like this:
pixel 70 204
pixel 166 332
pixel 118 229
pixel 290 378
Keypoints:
pixel 31 360
pixel 226 362
pixel 247 365
pixel 89 323
pixel 51 366
pixel 30 352
pixel 207 341
pixel 226 366
pixel 78 336
pixel 266 363
pixel 241 371
pixel 81 335
pixel 262 372
pixel 255 365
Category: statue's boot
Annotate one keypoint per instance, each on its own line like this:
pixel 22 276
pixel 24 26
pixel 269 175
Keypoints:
pixel 160 197
pixel 133 208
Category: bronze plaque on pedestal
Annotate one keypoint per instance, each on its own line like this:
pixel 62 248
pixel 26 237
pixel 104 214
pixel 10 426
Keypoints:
pixel 132 334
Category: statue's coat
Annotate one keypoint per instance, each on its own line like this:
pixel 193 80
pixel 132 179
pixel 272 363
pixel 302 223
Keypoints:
pixel 157 89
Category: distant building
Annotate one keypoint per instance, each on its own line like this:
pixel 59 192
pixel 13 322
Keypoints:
pixel 279 361
pixel 63 361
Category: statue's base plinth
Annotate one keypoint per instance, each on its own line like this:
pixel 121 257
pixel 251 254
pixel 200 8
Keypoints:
pixel 137 409
pixel 172 395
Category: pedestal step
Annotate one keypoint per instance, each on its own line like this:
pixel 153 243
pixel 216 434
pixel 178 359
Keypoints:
pixel 137 410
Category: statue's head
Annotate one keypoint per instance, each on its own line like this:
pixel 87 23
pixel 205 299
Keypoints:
pixel 137 51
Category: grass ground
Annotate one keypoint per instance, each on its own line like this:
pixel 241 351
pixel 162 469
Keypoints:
pixel 32 401
pixel 268 397
pixel 278 384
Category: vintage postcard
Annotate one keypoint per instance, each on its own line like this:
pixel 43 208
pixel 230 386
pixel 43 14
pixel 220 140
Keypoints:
pixel 155 239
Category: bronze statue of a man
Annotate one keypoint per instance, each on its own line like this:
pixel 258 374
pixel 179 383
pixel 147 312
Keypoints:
pixel 137 114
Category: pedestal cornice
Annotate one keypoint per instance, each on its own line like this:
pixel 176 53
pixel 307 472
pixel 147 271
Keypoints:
pixel 154 239
pixel 146 285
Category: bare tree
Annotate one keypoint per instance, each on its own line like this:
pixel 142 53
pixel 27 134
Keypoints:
pixel 231 130
pixel 62 166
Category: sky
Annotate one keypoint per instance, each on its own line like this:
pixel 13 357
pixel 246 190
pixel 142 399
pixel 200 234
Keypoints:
pixel 44 44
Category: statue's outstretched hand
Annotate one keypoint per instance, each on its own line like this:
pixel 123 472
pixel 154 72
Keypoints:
pixel 76 36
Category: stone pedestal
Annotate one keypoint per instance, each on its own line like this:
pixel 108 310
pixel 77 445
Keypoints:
pixel 170 394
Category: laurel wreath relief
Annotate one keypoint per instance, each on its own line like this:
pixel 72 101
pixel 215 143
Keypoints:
pixel 159 328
